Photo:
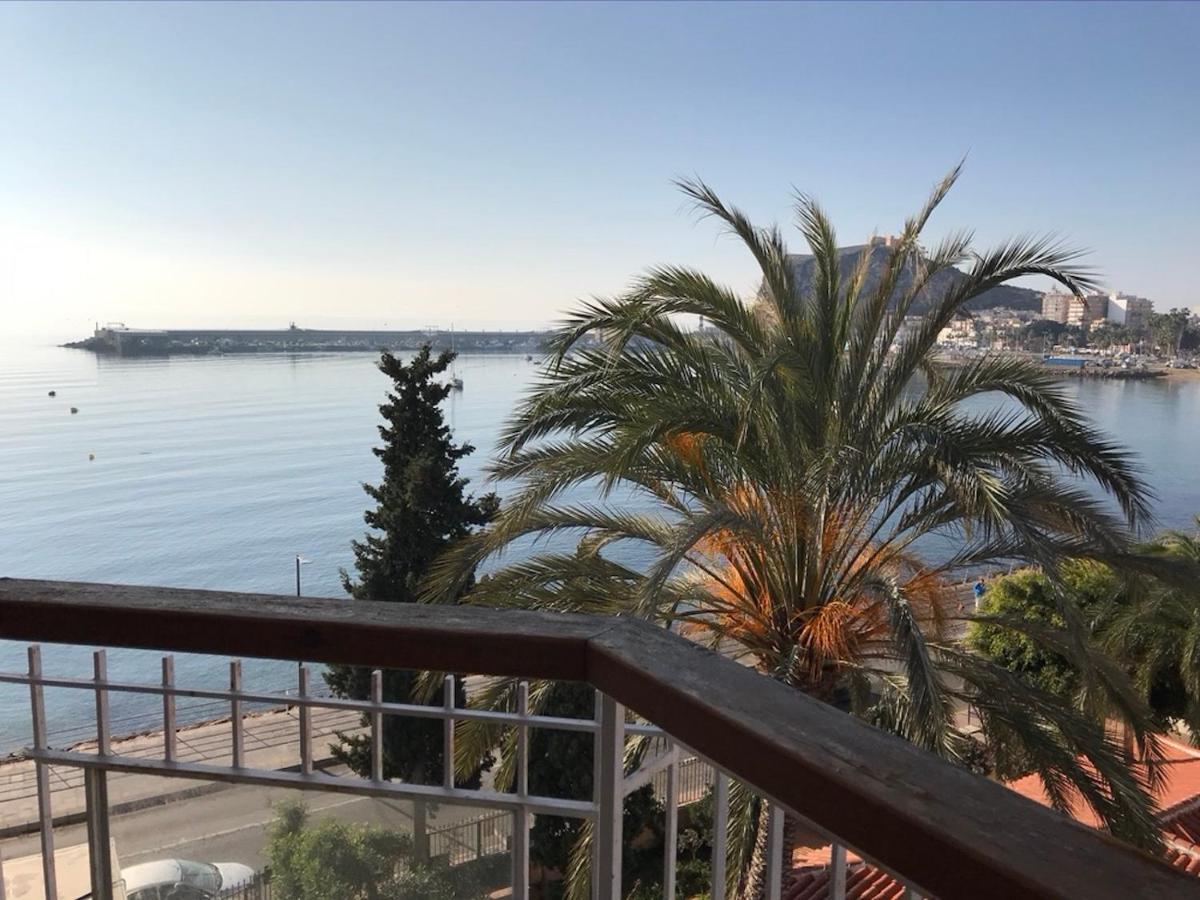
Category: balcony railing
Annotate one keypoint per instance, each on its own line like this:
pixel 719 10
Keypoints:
pixel 938 829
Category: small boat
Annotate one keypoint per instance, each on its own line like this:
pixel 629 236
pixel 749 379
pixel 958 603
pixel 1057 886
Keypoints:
pixel 54 393
pixel 456 383
pixel 74 409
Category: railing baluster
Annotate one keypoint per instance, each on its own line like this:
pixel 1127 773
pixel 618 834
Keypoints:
pixel 774 850
pixel 521 814
pixel 306 761
pixel 100 673
pixel 95 789
pixel 168 703
pixel 670 829
pixel 235 710
pixel 837 872
pixel 610 748
pixel 37 705
pixel 376 726
pixel 598 715
pixel 448 732
pixel 720 846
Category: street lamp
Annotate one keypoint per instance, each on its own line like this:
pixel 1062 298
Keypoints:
pixel 300 561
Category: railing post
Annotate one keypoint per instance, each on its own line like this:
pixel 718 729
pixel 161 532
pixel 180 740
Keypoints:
pixel 610 750
pixel 306 760
pixel 235 711
pixel 520 844
pixel 670 828
pixel 448 733
pixel 37 705
pixel 376 726
pixel 168 703
pixel 837 872
pixel 720 848
pixel 774 850
pixel 103 732
pixel 95 787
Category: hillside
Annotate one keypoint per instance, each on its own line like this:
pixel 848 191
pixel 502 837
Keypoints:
pixel 1012 297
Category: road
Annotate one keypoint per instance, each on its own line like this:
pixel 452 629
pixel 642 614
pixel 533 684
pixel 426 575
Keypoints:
pixel 228 825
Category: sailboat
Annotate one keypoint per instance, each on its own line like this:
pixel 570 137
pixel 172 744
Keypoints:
pixel 456 383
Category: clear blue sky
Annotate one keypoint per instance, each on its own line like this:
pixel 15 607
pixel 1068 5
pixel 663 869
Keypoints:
pixel 491 163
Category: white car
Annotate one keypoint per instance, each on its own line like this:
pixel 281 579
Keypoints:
pixel 182 879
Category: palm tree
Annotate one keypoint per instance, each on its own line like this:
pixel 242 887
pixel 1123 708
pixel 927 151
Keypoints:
pixel 801 484
pixel 1153 627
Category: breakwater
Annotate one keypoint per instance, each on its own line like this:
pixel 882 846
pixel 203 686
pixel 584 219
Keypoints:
pixel 121 341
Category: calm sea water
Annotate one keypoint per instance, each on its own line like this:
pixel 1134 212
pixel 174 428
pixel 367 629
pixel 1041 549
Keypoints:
pixel 216 472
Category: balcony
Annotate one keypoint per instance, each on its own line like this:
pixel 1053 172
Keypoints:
pixel 937 830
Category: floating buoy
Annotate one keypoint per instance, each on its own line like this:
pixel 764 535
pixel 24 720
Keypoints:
pixel 54 393
pixel 74 409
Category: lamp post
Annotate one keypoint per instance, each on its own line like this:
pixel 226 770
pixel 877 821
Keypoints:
pixel 300 561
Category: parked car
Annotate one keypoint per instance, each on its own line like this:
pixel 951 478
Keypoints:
pixel 182 879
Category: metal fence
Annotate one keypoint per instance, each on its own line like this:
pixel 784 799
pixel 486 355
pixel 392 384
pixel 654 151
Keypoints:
pixel 257 889
pixel 473 839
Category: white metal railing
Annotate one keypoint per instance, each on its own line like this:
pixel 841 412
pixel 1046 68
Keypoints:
pixel 672 769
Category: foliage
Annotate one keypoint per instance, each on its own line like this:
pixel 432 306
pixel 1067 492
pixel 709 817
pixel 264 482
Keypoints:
pixel 421 507
pixel 1169 329
pixel 563 768
pixel 1027 597
pixel 1106 334
pixel 778 470
pixel 1148 623
pixel 1156 630
pixel 1046 330
pixel 350 862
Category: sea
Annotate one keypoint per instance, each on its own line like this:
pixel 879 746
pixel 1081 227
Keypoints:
pixel 218 471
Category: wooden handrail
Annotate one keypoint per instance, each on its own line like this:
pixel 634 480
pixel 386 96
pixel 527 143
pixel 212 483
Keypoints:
pixel 955 834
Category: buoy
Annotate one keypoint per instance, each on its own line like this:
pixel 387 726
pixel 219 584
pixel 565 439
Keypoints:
pixel 74 409
pixel 54 393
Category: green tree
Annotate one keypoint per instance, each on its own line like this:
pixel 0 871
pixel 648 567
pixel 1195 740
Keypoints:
pixel 779 470
pixel 1155 630
pixel 350 862
pixel 1042 334
pixel 1168 330
pixel 421 508
pixel 1147 622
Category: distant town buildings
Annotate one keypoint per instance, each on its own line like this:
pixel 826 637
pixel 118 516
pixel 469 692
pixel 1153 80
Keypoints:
pixel 1056 306
pixel 1086 310
pixel 961 330
pixel 1118 309
pixel 1133 312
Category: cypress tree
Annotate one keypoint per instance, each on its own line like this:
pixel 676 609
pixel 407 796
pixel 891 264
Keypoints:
pixel 421 506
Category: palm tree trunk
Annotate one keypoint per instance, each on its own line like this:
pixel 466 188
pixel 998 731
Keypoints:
pixel 754 879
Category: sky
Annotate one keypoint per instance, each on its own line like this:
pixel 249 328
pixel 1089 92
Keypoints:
pixel 491 165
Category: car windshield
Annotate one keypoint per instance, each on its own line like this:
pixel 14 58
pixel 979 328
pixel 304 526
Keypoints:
pixel 200 875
